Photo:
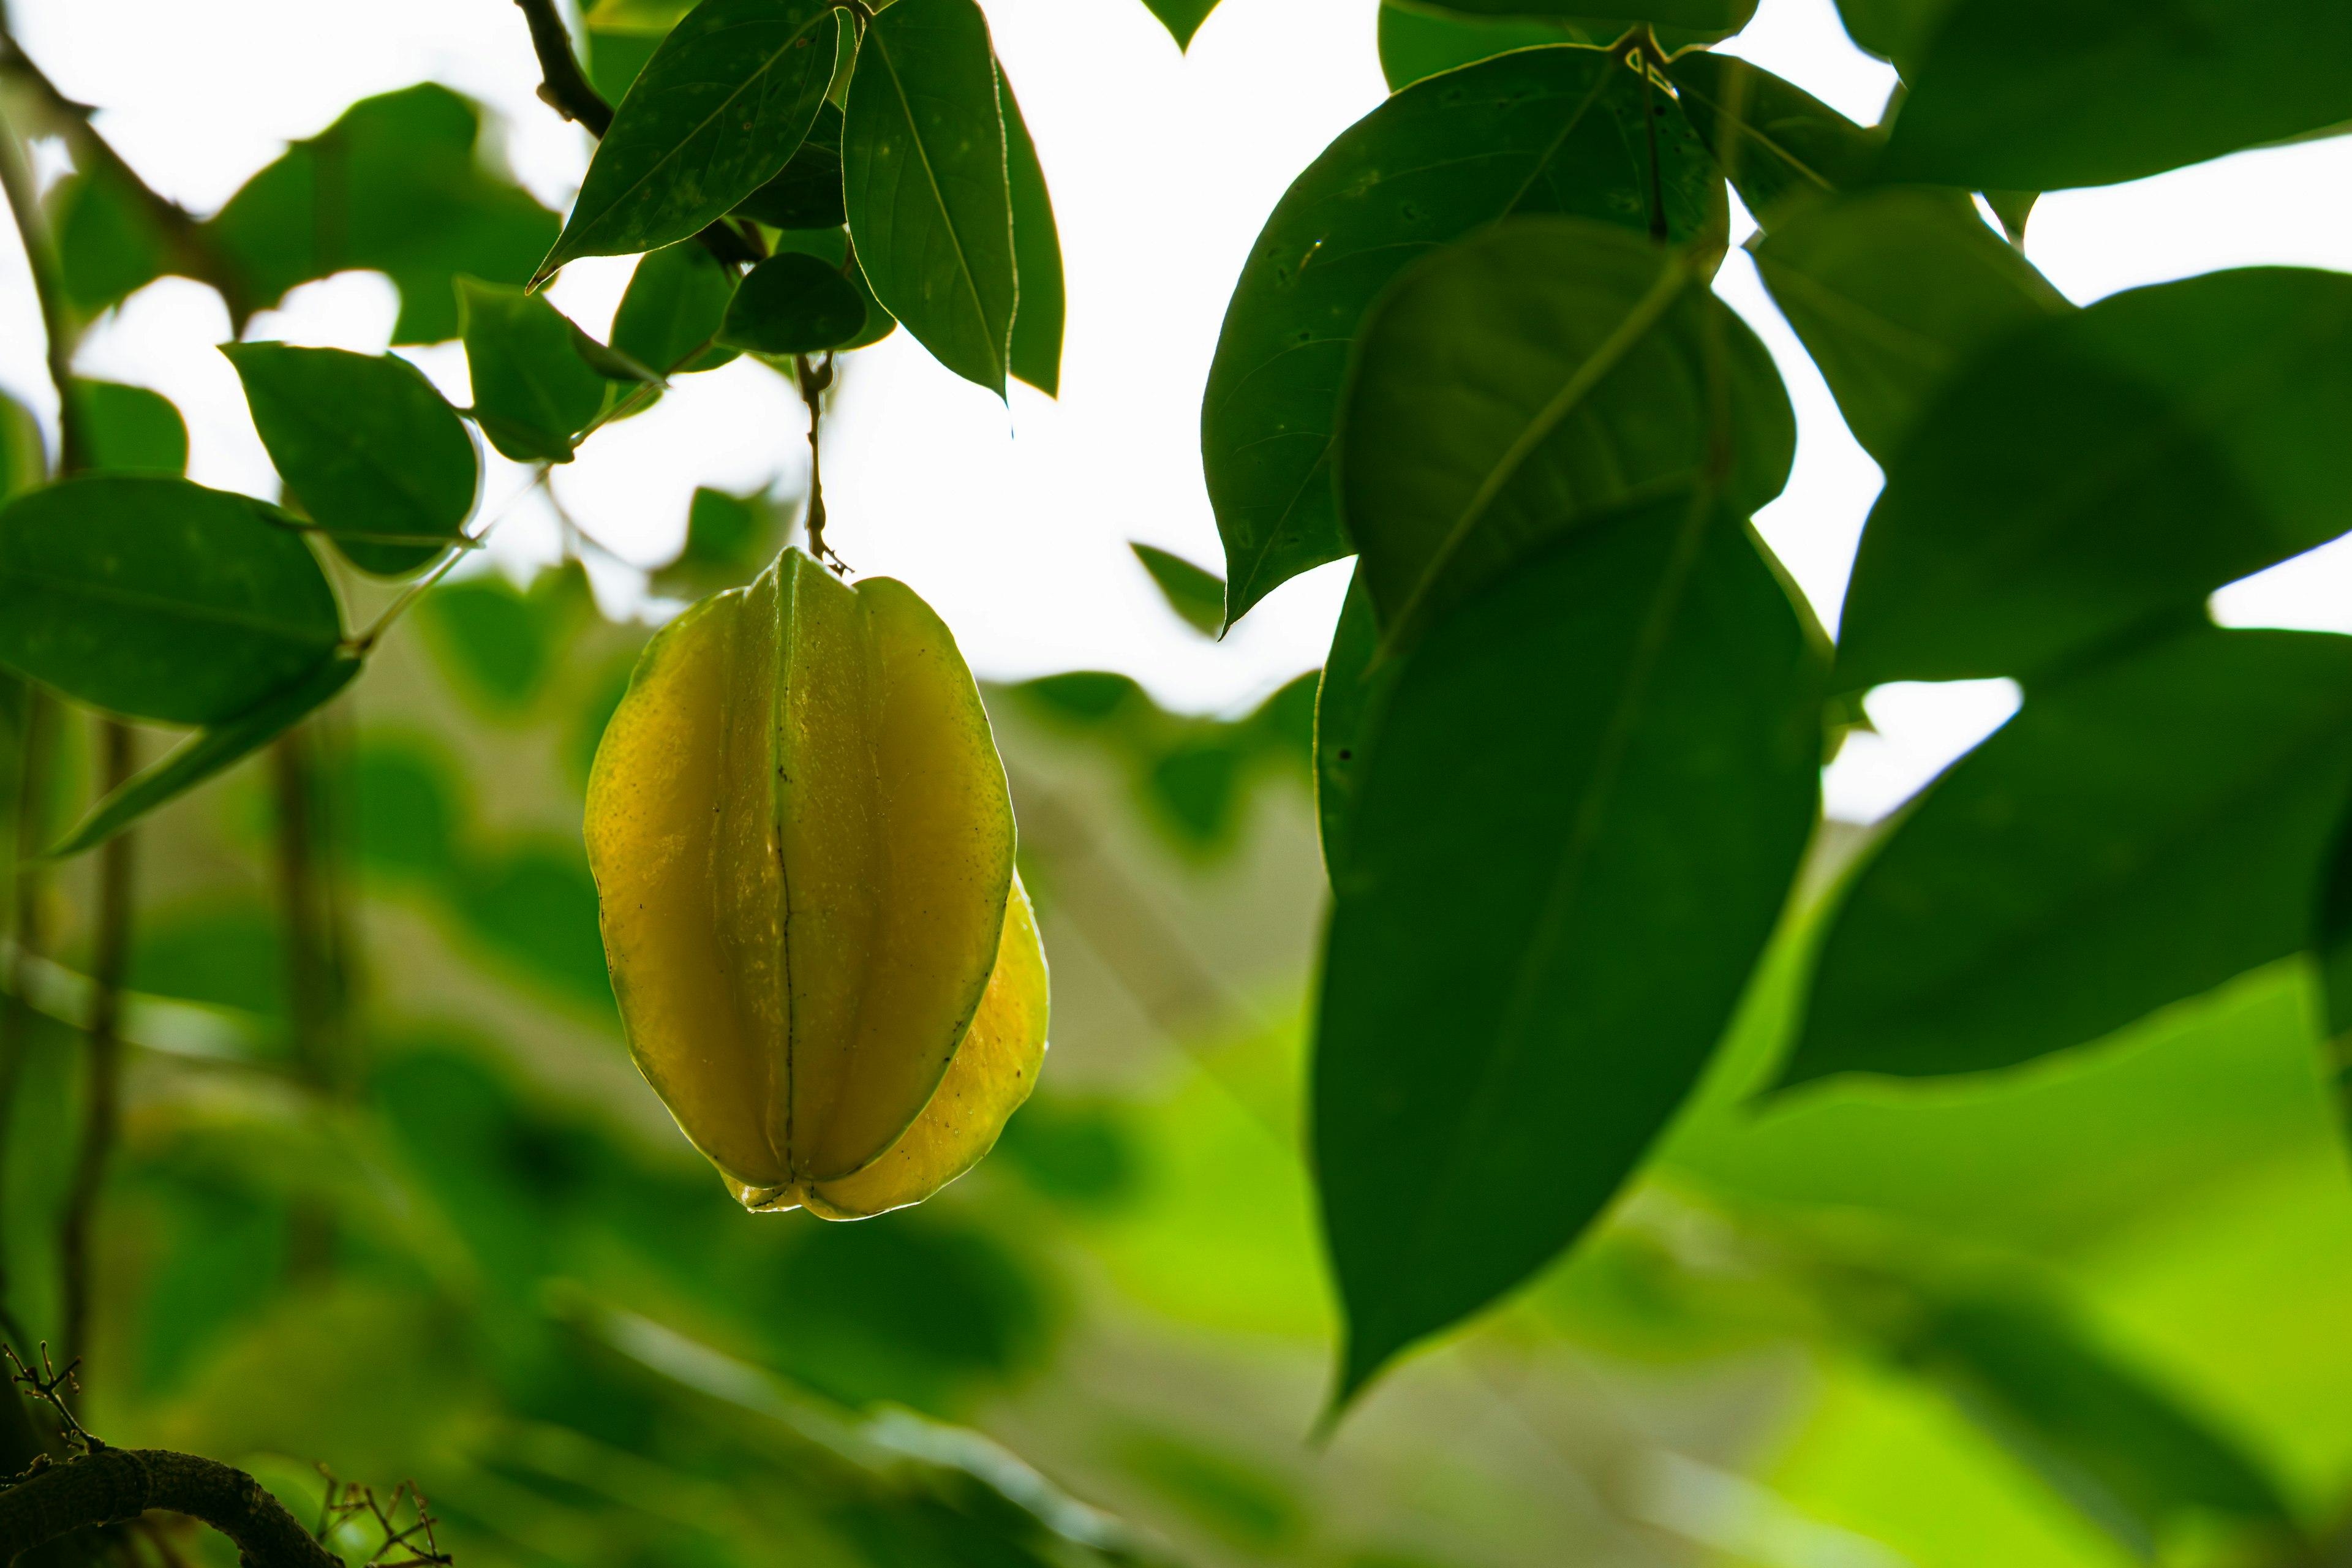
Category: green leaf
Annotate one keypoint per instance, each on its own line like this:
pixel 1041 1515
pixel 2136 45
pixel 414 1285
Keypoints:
pixel 728 539
pixel 396 184
pixel 1589 793
pixel 924 173
pixel 1714 17
pixel 1414 42
pixel 503 644
pixel 1893 291
pixel 1183 19
pixel 676 299
pixel 1348 701
pixel 131 430
pixel 1780 147
pixel 2106 467
pixel 2012 207
pixel 155 598
pixel 366 446
pixel 1560 130
pixel 1196 595
pixel 1036 254
pixel 792 303
pixel 1896 30
pixel 831 246
pixel 2138 834
pixel 1542 372
pixel 108 243
pixel 806 191
pixel 617 56
pixel 716 112
pixel 2041 95
pixel 533 392
pixel 209 752
pixel 24 462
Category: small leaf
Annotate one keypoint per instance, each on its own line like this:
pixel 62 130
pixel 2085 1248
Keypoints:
pixel 1197 597
pixel 728 540
pixel 369 448
pixel 532 392
pixel 806 191
pixel 1183 19
pixel 2041 95
pixel 1780 147
pixel 2139 833
pixel 831 246
pixel 718 111
pixel 1558 129
pixel 108 243
pixel 1036 254
pixel 155 598
pixel 209 752
pixel 1348 702
pixel 792 303
pixel 132 430
pixel 2106 467
pixel 1893 290
pixel 676 299
pixel 924 172
pixel 1525 380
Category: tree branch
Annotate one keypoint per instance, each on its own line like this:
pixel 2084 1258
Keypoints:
pixel 563 86
pixel 41 257
pixel 116 1484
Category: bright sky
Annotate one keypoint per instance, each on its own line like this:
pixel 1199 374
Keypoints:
pixel 1013 523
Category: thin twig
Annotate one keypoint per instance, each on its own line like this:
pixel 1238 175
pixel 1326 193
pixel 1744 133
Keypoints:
pixel 102 1112
pixel 814 380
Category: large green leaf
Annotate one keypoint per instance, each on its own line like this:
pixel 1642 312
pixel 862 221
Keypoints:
pixel 131 430
pixel 533 391
pixel 676 299
pixel 1589 792
pixel 2104 467
pixel 1780 147
pixel 1414 42
pixel 1036 254
pixel 396 184
pixel 806 191
pixel 1714 17
pixel 159 599
pixel 792 303
pixel 1893 290
pixel 367 448
pixel 2039 95
pixel 1896 30
pixel 924 179
pixel 2138 834
pixel 711 118
pixel 1347 699
pixel 1562 130
pixel 1528 378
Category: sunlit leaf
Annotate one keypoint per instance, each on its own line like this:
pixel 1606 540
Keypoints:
pixel 533 392
pixel 792 303
pixel 1197 597
pixel 924 172
pixel 1560 130
pixel 1037 354
pixel 159 599
pixel 131 430
pixel 1780 147
pixel 676 299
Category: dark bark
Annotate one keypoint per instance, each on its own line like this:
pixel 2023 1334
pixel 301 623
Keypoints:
pixel 117 1484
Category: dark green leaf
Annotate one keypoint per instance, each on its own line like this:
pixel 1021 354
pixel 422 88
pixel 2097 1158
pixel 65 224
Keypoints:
pixel 210 750
pixel 24 463
pixel 2041 95
pixel 1347 717
pixel 160 599
pixel 831 246
pixel 1893 290
pixel 1896 30
pixel 533 392
pixel 1183 19
pixel 806 191
pixel 132 430
pixel 616 57
pixel 1036 254
pixel 1713 16
pixel 2012 207
pixel 716 112
pixel 2108 465
pixel 1416 43
pixel 676 299
pixel 792 303
pixel 366 446
pixel 2138 834
pixel 923 166
pixel 1780 147
pixel 1524 380
pixel 1197 597
pixel 1589 790
pixel 109 243
pixel 396 184
pixel 1560 130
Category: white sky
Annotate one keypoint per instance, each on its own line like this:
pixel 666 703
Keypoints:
pixel 1014 523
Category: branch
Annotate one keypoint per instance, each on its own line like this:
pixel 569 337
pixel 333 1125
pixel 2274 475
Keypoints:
pixel 564 86
pixel 116 1484
pixel 41 258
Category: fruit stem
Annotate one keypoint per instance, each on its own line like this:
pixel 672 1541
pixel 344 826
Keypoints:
pixel 813 381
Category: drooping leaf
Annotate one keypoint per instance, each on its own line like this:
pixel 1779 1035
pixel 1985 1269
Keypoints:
pixel 806 191
pixel 792 303
pixel 2108 465
pixel 1562 130
pixel 533 392
pixel 396 184
pixel 1893 290
pixel 925 180
pixel 131 430
pixel 1589 792
pixel 1036 254
pixel 155 598
pixel 1183 19
pixel 366 446
pixel 676 299
pixel 2141 832
pixel 1197 595
pixel 831 246
pixel 1526 379
pixel 717 111
pixel 210 750
pixel 2041 95
pixel 1780 147
pixel 1348 701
